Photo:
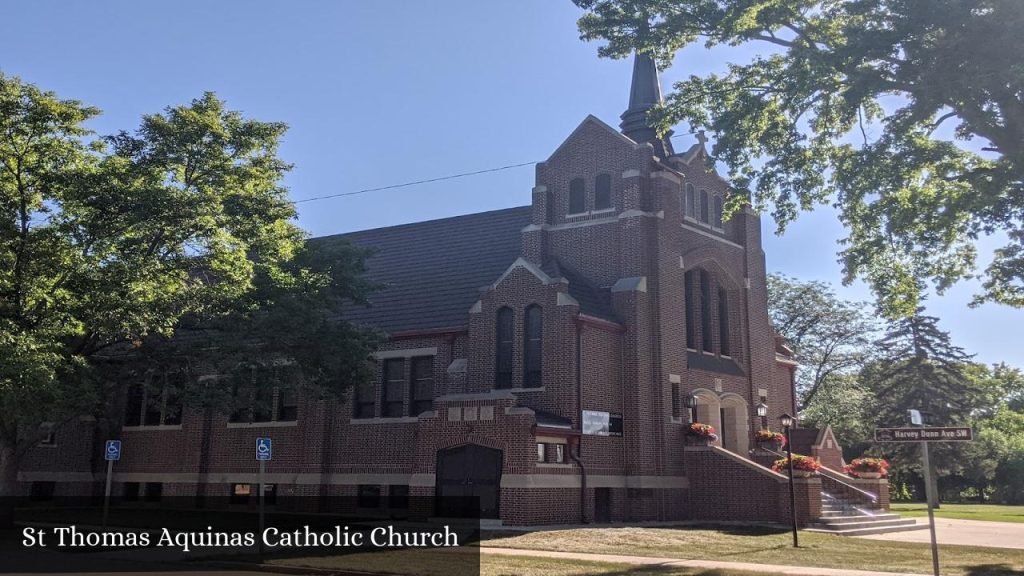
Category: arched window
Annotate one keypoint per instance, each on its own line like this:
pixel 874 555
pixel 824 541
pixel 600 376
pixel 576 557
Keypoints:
pixel 723 322
pixel 717 214
pixel 532 347
pixel 503 360
pixel 705 311
pixel 691 201
pixel 603 192
pixel 704 206
pixel 577 196
pixel 691 310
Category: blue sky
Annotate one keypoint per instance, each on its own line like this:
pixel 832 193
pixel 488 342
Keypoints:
pixel 379 93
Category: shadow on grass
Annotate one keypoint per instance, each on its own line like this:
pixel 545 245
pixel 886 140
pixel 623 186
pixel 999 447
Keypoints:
pixel 993 570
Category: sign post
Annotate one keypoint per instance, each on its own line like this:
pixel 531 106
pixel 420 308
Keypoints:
pixel 264 452
pixel 924 436
pixel 111 453
pixel 931 512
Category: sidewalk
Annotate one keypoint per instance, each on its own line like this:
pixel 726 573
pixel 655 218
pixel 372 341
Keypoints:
pixel 963 533
pixel 706 564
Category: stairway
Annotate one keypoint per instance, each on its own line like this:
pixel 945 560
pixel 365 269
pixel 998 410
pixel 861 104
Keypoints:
pixel 846 517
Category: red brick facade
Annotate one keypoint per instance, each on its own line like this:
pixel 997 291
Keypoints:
pixel 611 284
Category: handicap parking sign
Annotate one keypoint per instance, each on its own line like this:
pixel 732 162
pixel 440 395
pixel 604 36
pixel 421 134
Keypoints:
pixel 112 450
pixel 264 448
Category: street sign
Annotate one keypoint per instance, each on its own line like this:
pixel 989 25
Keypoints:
pixel 112 451
pixel 264 449
pixel 950 434
pixel 915 417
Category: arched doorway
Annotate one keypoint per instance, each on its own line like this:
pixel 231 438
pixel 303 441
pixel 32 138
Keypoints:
pixel 735 430
pixel 468 482
pixel 708 411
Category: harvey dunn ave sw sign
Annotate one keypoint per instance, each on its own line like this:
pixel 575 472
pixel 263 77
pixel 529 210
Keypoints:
pixel 923 434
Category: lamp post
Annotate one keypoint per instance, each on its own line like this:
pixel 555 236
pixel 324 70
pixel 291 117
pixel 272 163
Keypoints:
pixel 787 423
pixel 691 403
pixel 762 411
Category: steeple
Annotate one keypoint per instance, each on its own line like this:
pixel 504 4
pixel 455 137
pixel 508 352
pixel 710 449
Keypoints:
pixel 644 94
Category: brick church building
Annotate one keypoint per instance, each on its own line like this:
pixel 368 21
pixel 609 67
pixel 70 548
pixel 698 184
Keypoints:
pixel 540 358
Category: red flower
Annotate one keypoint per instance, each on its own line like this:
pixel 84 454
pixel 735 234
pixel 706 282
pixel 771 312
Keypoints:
pixel 800 462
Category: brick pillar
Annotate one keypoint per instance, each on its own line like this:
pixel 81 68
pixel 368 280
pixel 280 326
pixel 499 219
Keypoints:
pixel 808 500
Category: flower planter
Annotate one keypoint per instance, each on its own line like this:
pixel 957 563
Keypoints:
pixel 803 473
pixel 698 441
pixel 771 446
pixel 869 475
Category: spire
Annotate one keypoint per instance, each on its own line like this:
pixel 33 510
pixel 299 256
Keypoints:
pixel 644 94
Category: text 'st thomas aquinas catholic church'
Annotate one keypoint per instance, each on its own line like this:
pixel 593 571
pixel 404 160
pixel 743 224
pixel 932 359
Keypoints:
pixel 539 358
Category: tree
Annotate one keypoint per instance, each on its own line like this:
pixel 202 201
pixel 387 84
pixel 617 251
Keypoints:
pixel 830 337
pixel 847 405
pixel 109 248
pixel 920 368
pixel 867 105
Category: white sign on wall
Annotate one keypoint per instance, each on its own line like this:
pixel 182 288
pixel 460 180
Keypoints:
pixel 596 423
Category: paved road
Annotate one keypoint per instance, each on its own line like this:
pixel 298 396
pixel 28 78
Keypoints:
pixel 965 532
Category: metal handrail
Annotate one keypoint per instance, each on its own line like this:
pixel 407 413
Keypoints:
pixel 832 476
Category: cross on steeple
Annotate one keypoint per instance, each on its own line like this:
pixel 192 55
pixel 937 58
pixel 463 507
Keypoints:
pixel 644 94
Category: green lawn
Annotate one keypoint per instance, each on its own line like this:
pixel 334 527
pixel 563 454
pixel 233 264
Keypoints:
pixel 772 547
pixel 991 512
pixel 447 562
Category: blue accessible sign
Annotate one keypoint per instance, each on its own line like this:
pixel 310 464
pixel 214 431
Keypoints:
pixel 113 450
pixel 264 448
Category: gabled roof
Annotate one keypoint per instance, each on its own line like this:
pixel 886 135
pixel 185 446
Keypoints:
pixel 432 271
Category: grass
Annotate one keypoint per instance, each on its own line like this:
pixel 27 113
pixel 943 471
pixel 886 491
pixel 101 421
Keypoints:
pixel 455 562
pixel 989 512
pixel 766 546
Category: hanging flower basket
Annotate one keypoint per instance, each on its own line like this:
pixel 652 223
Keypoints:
pixel 698 434
pixel 769 440
pixel 803 466
pixel 867 468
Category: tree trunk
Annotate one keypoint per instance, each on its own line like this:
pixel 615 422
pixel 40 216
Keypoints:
pixel 8 484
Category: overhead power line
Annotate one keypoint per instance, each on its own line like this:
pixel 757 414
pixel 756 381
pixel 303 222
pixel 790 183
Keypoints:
pixel 416 182
pixel 429 180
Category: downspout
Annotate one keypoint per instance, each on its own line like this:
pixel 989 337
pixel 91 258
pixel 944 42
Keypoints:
pixel 575 454
pixel 750 339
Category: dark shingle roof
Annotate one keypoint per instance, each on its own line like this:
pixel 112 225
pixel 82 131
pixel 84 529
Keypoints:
pixel 432 271
pixel 593 301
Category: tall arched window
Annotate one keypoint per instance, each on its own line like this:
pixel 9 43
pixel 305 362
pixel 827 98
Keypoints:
pixel 707 343
pixel 577 196
pixel 691 310
pixel 503 360
pixel 603 192
pixel 723 322
pixel 716 216
pixel 532 347
pixel 704 206
pixel 691 201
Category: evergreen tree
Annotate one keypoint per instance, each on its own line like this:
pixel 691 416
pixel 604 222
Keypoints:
pixel 920 368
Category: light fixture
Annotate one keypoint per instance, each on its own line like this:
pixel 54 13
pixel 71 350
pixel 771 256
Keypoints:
pixel 762 409
pixel 786 420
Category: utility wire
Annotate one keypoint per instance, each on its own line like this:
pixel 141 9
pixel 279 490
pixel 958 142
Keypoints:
pixel 429 180
pixel 405 184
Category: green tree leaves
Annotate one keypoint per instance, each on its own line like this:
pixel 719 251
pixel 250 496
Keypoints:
pixel 170 249
pixel 867 105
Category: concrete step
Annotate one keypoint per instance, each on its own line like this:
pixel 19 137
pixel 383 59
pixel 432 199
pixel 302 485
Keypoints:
pixel 866 524
pixel 860 518
pixel 869 531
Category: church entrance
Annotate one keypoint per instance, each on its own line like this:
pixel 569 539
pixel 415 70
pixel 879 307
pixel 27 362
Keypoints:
pixel 735 421
pixel 468 482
